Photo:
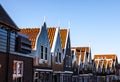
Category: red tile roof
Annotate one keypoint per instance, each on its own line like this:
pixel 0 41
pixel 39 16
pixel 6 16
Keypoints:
pixel 80 51
pixel 63 36
pixel 103 58
pixel 51 35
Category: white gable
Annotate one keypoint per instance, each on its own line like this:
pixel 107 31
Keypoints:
pixel 42 40
pixel 57 42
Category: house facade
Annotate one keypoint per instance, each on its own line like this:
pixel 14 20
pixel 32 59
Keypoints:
pixel 56 52
pixel 106 67
pixel 40 52
pixel 13 64
pixel 67 57
pixel 83 67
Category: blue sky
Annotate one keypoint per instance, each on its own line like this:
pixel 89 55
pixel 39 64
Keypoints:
pixel 94 22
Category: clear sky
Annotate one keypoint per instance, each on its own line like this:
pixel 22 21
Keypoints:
pixel 92 21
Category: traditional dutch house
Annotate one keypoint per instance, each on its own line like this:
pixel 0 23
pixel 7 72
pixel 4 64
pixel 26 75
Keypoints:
pixel 67 57
pixel 84 63
pixel 56 52
pixel 74 66
pixel 40 52
pixel 14 66
pixel 106 67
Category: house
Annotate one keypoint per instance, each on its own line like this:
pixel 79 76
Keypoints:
pixel 83 63
pixel 56 52
pixel 106 66
pixel 14 65
pixel 40 52
pixel 67 57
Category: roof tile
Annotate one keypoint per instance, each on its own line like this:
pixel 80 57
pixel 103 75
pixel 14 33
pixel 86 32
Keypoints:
pixel 51 35
pixel 63 36
pixel 103 58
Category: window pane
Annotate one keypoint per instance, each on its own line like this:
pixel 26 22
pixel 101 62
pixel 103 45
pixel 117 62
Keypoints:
pixel 60 57
pixel 17 71
pixel 20 68
pixel 41 52
pixel 56 56
pixel 45 53
pixel 14 67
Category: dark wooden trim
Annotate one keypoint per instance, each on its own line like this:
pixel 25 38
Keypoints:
pixel 9 26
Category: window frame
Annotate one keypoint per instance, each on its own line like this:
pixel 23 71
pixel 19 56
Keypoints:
pixel 18 70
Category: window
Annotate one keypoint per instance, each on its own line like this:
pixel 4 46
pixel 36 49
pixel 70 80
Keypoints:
pixel 41 52
pixel 56 56
pixel 36 76
pixel 72 52
pixel 3 40
pixel 69 61
pixel 17 71
pixel 60 57
pixel 46 53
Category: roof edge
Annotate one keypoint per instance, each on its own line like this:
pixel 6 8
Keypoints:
pixel 9 26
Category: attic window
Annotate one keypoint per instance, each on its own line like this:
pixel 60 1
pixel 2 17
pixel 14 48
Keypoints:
pixel 60 57
pixel 41 52
pixel 46 50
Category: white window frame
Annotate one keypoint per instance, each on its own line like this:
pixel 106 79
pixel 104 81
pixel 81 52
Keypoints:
pixel 36 76
pixel 17 74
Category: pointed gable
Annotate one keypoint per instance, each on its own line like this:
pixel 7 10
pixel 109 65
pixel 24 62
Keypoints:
pixel 32 33
pixel 107 59
pixel 81 51
pixel 63 36
pixel 51 35
pixel 6 20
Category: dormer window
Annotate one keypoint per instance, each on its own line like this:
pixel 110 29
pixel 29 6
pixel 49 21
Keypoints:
pixel 41 52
